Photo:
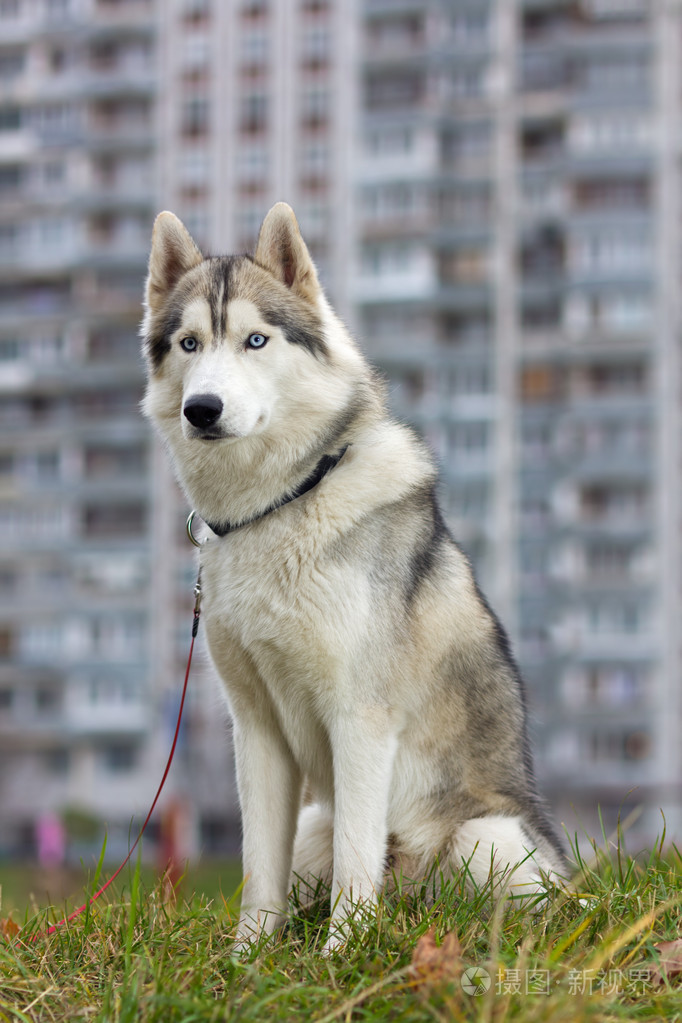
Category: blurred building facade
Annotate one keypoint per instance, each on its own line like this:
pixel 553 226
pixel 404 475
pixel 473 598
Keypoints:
pixel 520 192
pixel 77 194
pixel 491 192
pixel 109 111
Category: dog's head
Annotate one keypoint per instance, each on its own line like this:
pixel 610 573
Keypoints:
pixel 236 344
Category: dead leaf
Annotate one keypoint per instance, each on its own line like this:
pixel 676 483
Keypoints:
pixel 436 964
pixel 670 965
pixel 8 928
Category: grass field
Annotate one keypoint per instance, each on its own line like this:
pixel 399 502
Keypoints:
pixel 138 957
pixel 24 886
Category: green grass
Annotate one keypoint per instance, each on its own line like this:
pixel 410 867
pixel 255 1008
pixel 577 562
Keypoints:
pixel 25 885
pixel 136 957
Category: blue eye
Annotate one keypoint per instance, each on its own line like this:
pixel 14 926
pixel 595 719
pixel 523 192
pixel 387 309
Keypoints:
pixel 189 344
pixel 256 341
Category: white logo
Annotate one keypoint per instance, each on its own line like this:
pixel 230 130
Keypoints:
pixel 475 981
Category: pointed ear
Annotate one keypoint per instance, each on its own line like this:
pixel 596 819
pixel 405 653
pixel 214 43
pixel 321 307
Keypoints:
pixel 173 254
pixel 282 251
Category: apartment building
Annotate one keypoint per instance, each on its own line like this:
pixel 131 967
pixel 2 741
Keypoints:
pixel 520 250
pixel 109 111
pixel 77 135
pixel 491 192
pixel 599 532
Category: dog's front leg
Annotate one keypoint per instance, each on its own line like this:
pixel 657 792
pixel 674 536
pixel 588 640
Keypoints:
pixel 364 745
pixel 269 784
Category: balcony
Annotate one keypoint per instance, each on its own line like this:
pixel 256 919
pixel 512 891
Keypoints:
pixel 587 647
pixel 41 729
pixel 27 257
pixel 124 80
pixel 108 719
pixel 119 134
pixel 613 465
pixel 122 15
pixel 117 195
pixel 544 69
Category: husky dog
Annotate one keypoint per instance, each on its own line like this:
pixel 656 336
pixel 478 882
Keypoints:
pixel 357 653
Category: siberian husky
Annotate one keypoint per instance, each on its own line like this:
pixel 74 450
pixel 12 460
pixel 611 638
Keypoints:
pixel 360 660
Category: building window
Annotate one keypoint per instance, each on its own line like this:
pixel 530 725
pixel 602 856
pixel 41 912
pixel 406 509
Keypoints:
pixel 313 219
pixel 248 224
pixel 195 117
pixel 196 12
pixel 254 8
pixel 612 252
pixel 314 160
pixel 11 177
pixel 468 503
pixel 539 383
pixel 120 758
pixel 253 115
pixel 627 378
pixel 390 141
pixel 57 761
pixel 253 164
pixel 604 747
pixel 197 223
pixel 10 9
pixel 10 118
pixel 396 33
pixel 111 520
pixel 10 348
pixel 255 44
pixel 465 83
pixel 315 46
pixel 114 460
pixel 468 439
pixel 470 27
pixel 395 90
pixel 56 9
pixel 112 345
pixel 12 64
pixel 608 131
pixel 614 75
pixel 466 266
pixel 315 106
pixel 194 169
pixel 47 699
pixel 196 50
pixel 612 193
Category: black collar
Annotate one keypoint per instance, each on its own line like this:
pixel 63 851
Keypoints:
pixel 325 465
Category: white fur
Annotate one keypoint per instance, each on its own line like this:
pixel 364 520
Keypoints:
pixel 329 675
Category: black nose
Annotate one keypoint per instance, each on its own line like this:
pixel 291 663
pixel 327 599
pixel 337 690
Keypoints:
pixel 203 410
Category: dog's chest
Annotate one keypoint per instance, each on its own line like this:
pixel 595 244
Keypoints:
pixel 271 592
pixel 300 615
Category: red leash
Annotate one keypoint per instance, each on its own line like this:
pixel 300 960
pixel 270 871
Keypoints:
pixel 76 912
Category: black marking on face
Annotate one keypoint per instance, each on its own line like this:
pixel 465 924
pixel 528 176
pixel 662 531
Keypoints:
pixel 213 285
pixel 217 279
pixel 299 325
pixel 221 280
pixel 157 342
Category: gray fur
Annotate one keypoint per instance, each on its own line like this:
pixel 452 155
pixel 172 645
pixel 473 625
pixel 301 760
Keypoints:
pixel 355 646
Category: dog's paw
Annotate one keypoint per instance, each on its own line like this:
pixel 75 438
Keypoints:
pixel 336 942
pixel 535 891
pixel 253 932
pixel 243 945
